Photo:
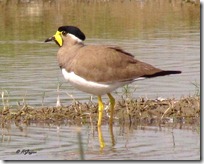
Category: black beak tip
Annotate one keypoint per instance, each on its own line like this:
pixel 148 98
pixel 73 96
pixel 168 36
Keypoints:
pixel 49 39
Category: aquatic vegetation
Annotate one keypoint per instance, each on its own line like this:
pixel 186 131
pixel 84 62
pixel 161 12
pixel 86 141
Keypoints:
pixel 184 110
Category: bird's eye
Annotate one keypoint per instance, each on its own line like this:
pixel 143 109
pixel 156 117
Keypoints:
pixel 64 33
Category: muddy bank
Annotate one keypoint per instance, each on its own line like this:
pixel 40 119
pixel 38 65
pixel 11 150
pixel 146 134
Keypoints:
pixel 159 111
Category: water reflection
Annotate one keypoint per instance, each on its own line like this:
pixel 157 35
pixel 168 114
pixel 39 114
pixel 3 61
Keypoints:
pixel 135 142
pixel 98 19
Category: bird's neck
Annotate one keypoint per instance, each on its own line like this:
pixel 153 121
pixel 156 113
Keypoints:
pixel 66 54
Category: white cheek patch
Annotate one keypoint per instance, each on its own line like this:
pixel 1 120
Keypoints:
pixel 75 38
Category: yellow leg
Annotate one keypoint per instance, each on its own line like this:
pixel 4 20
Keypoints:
pixel 100 115
pixel 100 138
pixel 112 134
pixel 112 104
pixel 100 110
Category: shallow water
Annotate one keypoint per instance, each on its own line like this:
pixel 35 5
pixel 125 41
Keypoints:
pixel 168 39
pixel 131 143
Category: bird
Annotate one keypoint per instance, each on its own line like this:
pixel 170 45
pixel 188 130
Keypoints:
pixel 99 69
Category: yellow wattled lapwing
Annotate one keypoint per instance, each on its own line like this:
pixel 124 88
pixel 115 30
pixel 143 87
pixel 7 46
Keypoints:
pixel 98 69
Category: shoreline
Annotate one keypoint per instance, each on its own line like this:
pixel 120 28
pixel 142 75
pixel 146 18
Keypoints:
pixel 159 111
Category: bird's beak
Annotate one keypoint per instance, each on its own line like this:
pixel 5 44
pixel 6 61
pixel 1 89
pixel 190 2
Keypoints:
pixel 57 38
pixel 50 39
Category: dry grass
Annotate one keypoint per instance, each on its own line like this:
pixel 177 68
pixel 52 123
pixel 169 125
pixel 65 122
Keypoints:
pixel 127 110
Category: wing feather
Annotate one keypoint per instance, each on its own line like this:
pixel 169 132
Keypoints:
pixel 109 64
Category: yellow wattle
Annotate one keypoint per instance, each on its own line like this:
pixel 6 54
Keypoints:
pixel 58 38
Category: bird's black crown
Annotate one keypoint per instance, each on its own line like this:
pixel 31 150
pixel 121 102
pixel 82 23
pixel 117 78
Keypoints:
pixel 73 30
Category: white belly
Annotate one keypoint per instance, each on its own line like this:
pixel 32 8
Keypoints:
pixel 89 86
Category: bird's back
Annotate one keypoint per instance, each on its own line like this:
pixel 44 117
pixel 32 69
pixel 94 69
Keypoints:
pixel 109 63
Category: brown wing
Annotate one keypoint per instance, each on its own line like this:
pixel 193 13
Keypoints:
pixel 108 64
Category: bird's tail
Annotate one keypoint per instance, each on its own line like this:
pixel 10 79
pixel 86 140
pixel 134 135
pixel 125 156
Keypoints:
pixel 162 73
